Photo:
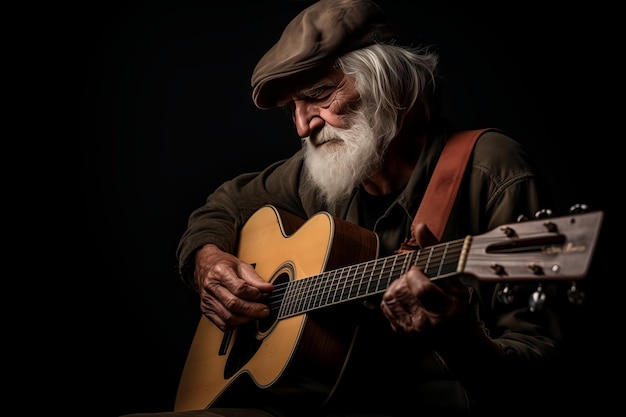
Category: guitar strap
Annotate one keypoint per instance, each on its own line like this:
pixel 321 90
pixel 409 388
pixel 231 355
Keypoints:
pixel 443 186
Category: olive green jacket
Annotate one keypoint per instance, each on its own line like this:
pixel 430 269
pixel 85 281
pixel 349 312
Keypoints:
pixel 500 184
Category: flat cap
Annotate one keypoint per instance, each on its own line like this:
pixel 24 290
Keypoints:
pixel 319 34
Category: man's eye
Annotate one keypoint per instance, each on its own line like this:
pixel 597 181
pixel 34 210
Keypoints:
pixel 314 94
pixel 320 94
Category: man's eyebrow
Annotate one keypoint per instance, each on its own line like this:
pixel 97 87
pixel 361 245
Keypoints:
pixel 321 85
pixel 309 91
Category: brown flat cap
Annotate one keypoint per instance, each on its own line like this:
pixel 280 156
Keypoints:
pixel 320 33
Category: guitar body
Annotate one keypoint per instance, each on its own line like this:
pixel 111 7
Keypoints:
pixel 298 356
pixel 302 355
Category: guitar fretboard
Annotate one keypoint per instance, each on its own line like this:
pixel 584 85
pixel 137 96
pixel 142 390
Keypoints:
pixel 365 279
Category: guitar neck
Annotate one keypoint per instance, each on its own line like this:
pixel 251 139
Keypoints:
pixel 558 248
pixel 365 279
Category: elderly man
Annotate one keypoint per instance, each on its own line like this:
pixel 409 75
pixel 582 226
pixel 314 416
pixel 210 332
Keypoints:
pixel 367 112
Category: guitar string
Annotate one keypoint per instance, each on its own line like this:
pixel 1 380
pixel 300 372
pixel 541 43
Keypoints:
pixel 308 288
pixel 313 292
pixel 532 243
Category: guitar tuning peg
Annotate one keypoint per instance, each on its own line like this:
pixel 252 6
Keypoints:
pixel 574 295
pixel 543 214
pixel 578 208
pixel 522 218
pixel 505 295
pixel 537 299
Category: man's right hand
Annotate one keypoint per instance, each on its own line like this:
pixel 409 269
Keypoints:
pixel 231 292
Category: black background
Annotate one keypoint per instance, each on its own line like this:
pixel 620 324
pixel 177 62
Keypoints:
pixel 150 110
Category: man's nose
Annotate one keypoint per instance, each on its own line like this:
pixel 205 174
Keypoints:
pixel 306 117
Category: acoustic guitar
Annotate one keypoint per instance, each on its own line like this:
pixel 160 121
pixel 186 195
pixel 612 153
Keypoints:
pixel 324 263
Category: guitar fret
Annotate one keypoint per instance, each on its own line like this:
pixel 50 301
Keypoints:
pixel 381 273
pixel 340 285
pixel 296 298
pixel 340 281
pixel 372 277
pixel 312 293
pixel 357 279
pixel 305 296
pixel 336 284
pixel 441 263
pixel 407 260
pixel 284 309
pixel 427 265
pixel 391 270
pixel 301 297
pixel 360 280
pixel 369 281
pixel 284 306
pixel 366 278
pixel 382 270
pixel 344 282
pixel 417 258
pixel 352 282
pixel 345 288
pixel 323 291
pixel 327 290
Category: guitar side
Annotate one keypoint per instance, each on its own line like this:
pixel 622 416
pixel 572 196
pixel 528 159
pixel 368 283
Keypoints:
pixel 292 352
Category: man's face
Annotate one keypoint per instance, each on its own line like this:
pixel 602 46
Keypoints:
pixel 341 147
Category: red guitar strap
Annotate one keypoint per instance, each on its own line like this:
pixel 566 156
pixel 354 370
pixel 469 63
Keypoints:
pixel 444 185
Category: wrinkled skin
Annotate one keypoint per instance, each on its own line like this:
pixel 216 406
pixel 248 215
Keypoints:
pixel 414 304
pixel 230 290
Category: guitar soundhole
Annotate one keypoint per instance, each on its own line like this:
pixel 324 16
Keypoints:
pixel 250 336
pixel 264 325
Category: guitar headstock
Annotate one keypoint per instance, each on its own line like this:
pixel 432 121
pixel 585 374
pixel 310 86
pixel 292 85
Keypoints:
pixel 545 249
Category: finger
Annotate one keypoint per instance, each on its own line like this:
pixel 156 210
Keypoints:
pixel 250 276
pixel 234 304
pixel 222 318
pixel 429 295
pixel 415 282
pixel 241 284
pixel 228 311
pixel 388 309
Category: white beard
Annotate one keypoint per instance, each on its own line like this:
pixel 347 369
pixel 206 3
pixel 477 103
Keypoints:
pixel 338 160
